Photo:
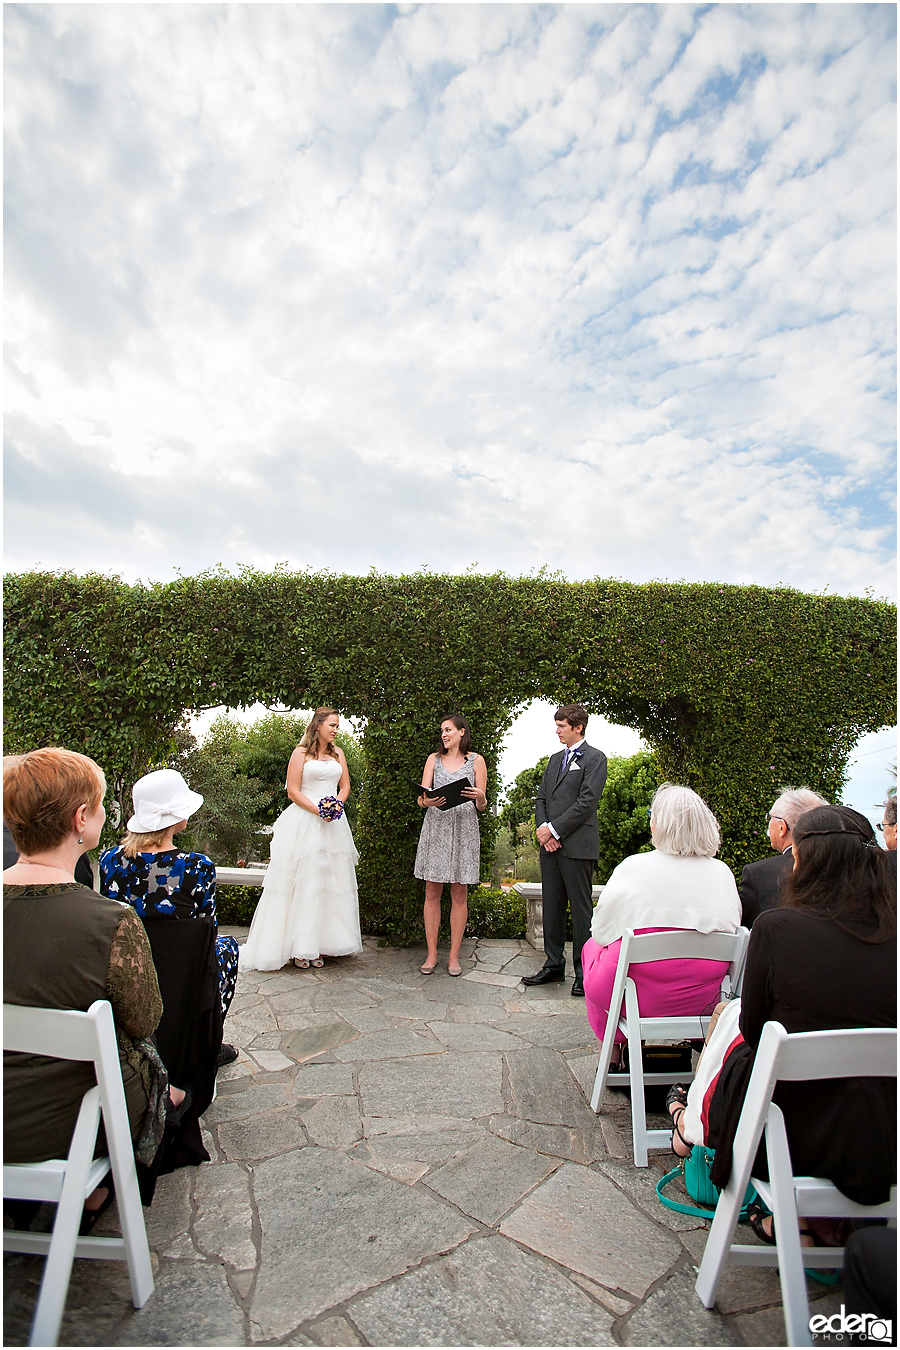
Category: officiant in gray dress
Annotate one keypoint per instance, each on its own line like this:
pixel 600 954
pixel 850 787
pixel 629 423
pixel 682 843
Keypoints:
pixel 565 814
pixel 450 843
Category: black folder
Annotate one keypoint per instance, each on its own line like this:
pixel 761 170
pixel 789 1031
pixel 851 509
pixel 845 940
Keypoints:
pixel 452 792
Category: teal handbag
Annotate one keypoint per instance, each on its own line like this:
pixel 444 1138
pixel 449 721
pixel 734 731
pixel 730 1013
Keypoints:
pixel 698 1183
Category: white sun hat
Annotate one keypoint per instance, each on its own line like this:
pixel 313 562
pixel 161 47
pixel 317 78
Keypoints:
pixel 160 800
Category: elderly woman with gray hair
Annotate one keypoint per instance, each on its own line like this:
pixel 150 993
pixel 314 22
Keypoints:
pixel 679 885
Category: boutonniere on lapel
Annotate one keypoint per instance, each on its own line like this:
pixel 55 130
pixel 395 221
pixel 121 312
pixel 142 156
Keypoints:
pixel 573 764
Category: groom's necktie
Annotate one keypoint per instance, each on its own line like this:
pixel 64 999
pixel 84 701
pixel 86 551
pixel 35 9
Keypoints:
pixel 565 763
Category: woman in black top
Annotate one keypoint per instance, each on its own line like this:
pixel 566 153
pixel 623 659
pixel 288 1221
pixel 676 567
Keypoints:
pixel 825 960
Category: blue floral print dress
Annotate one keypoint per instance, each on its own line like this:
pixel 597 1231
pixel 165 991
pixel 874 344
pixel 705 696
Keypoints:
pixel 171 885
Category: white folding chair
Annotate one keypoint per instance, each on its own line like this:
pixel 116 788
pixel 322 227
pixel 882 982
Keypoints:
pixel 637 950
pixel 807 1055
pixel 68 1181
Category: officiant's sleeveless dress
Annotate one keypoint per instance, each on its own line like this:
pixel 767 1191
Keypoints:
pixel 450 844
pixel 309 906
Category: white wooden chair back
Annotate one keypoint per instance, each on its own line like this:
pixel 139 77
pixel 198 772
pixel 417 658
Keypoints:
pixel 89 1036
pixel 803 1056
pixel 638 950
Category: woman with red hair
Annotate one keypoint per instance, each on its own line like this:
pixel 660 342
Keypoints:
pixel 65 946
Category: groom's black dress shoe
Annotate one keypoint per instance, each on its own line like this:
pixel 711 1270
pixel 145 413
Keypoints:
pixel 547 975
pixel 578 989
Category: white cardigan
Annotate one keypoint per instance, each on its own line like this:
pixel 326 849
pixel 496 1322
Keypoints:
pixel 657 890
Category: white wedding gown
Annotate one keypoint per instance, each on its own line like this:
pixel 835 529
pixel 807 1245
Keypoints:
pixel 309 906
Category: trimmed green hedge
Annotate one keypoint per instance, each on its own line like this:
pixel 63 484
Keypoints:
pixel 493 912
pixel 737 689
pixel 236 905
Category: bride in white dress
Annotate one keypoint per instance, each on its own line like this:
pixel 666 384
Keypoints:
pixel 309 907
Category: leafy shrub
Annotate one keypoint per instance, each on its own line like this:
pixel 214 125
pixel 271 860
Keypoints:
pixel 236 905
pixel 225 826
pixel 493 913
pixel 519 807
pixel 622 815
pixel 518 860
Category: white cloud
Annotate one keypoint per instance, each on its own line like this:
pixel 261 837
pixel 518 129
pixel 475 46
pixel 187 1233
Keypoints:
pixel 606 287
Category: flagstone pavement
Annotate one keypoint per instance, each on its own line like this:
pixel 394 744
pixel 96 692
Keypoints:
pixel 410 1160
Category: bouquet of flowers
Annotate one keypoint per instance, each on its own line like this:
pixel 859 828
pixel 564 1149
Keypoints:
pixel 331 808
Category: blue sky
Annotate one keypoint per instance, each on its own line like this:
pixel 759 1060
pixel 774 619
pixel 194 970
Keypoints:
pixel 609 289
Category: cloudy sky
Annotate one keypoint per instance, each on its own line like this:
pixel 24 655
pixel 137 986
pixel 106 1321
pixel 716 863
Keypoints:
pixel 604 288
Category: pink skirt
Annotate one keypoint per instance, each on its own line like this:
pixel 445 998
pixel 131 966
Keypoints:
pixel 664 988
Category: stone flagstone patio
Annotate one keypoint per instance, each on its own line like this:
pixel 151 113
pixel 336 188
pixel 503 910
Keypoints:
pixel 409 1160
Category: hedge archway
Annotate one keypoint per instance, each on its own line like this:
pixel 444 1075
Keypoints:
pixel 738 689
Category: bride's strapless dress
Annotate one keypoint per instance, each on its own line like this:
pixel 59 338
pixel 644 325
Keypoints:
pixel 309 906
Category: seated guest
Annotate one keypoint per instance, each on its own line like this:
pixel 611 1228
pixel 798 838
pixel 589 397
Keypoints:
pixel 870 1276
pixel 680 885
pixel 10 852
pixel 65 946
pixel 84 873
pixel 761 882
pixel 147 871
pixel 825 959
pixel 888 825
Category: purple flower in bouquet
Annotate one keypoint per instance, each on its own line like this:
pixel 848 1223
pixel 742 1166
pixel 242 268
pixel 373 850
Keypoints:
pixel 331 808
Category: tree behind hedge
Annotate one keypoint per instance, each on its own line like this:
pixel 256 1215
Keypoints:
pixel 241 772
pixel 518 809
pixel 737 690
pixel 621 815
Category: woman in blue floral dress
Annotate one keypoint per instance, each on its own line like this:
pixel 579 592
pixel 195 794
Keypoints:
pixel 149 873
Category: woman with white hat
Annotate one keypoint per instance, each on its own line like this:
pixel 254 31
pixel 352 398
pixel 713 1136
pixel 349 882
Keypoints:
pixel 148 872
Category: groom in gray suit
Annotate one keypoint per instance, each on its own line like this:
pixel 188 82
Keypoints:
pixel 565 814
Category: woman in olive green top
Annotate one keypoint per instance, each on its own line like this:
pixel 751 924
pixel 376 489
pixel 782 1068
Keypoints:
pixel 65 946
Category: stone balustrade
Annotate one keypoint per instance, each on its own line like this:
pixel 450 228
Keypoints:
pixel 240 876
pixel 532 891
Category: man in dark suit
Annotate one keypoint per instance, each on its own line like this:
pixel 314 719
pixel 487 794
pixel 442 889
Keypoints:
pixel 761 882
pixel 565 813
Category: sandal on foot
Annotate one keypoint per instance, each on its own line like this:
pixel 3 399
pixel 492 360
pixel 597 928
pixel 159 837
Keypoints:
pixel 175 1113
pixel 428 970
pixel 756 1216
pixel 677 1097
pixel 318 963
pixel 300 962
pixel 677 1094
pixel 454 970
pixel 90 1217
